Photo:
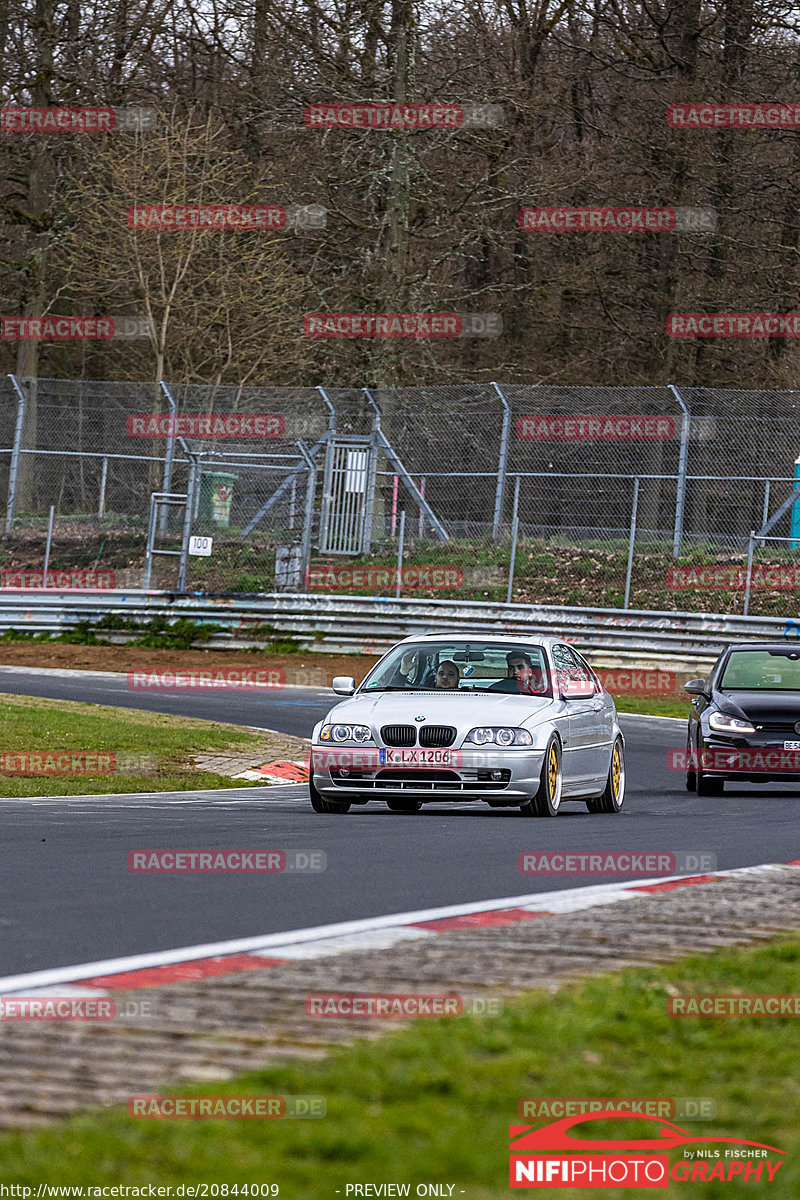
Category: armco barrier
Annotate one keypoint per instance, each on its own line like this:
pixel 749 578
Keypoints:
pixel 370 625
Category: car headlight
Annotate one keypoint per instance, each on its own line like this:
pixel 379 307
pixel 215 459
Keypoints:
pixel 346 733
pixel 485 735
pixel 722 723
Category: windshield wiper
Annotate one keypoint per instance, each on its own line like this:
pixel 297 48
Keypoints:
pixel 391 687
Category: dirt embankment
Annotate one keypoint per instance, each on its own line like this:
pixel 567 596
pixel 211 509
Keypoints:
pixel 289 670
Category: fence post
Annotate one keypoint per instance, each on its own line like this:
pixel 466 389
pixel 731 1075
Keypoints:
pixel 750 545
pixel 101 507
pixel 502 465
pixel 13 469
pixel 680 491
pixel 47 546
pixel 631 541
pixel 151 537
pixel 514 534
pixel 401 539
pixel 198 482
pixel 292 502
pixel 188 517
pixel 308 513
pixel 370 481
pixel 169 456
pixel 765 510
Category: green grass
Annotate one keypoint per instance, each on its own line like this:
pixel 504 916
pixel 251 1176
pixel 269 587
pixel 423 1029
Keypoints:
pixel 433 1103
pixel 33 724
pixel 160 633
pixel 655 706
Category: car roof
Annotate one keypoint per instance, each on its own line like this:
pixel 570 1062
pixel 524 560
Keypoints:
pixel 501 639
pixel 784 644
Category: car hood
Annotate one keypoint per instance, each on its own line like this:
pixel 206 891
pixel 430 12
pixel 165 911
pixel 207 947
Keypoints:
pixel 463 710
pixel 760 705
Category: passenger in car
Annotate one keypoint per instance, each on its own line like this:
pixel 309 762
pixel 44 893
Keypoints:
pixel 447 675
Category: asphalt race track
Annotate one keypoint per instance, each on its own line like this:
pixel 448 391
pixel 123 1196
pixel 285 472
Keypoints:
pixel 66 895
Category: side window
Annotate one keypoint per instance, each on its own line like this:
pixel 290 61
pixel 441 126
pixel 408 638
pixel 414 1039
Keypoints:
pixel 573 677
pixel 598 687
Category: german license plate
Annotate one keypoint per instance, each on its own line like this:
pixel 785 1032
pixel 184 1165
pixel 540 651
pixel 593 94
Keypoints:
pixel 791 745
pixel 414 758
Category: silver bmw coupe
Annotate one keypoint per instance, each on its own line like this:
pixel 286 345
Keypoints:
pixel 519 722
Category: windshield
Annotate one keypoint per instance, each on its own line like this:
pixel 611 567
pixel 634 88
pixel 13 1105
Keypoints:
pixel 473 666
pixel 762 670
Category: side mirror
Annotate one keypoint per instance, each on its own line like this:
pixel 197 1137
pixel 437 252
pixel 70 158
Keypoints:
pixel 578 689
pixel 344 685
pixel 696 687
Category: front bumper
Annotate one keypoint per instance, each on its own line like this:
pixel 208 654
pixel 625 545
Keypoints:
pixel 357 774
pixel 758 758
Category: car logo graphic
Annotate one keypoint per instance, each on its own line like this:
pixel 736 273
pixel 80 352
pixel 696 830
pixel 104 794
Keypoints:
pixel 552 1155
pixel 555 1136
pixel 797 727
pixel 422 719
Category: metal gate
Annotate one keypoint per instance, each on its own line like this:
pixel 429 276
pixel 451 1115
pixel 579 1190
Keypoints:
pixel 348 495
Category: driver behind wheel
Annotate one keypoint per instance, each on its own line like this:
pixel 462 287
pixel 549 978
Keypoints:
pixel 522 676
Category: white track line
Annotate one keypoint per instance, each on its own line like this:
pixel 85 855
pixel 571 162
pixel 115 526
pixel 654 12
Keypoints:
pixel 566 900
pixel 653 717
pixel 122 677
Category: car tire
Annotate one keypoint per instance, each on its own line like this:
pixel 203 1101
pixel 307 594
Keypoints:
pixel 321 805
pixel 612 797
pixel 691 771
pixel 707 786
pixel 547 800
pixel 404 806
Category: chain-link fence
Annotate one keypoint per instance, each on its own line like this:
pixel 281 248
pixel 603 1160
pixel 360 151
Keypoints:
pixel 599 492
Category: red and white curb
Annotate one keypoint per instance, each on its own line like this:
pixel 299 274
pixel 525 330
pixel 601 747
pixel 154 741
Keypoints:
pixel 191 963
pixel 283 770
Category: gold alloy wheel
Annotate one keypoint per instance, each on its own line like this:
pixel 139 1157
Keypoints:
pixel 552 775
pixel 616 770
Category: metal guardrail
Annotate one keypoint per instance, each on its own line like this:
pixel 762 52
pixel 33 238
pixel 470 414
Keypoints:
pixel 369 624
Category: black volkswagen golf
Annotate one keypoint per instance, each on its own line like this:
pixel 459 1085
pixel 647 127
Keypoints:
pixel 745 720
